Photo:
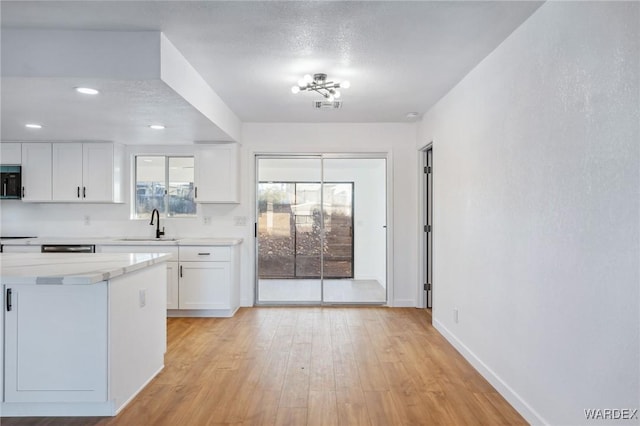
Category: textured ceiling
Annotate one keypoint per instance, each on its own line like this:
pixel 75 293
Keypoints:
pixel 399 56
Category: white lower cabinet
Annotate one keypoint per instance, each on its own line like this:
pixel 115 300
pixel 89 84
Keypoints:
pixel 209 281
pixel 172 265
pixel 201 280
pixel 81 350
pixel 73 314
pixel 172 285
pixel 205 285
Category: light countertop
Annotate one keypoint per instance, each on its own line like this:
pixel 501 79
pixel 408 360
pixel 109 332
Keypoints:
pixel 125 241
pixel 72 268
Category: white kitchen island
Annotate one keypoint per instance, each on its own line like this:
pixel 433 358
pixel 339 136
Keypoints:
pixel 82 333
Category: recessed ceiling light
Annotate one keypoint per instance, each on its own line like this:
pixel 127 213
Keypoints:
pixel 412 115
pixel 156 126
pixel 87 90
pixel 33 126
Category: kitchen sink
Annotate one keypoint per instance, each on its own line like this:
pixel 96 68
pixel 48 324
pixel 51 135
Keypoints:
pixel 147 239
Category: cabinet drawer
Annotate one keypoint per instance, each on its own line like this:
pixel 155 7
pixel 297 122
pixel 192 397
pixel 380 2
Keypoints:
pixel 205 253
pixel 20 249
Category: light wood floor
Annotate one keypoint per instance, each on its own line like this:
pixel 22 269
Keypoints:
pixel 309 366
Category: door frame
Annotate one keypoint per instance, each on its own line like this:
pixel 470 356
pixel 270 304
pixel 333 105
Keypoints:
pixel 422 212
pixel 387 156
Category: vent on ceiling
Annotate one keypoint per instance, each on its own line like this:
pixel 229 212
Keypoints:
pixel 327 104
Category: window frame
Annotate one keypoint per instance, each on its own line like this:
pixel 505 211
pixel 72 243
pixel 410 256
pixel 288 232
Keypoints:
pixel 165 211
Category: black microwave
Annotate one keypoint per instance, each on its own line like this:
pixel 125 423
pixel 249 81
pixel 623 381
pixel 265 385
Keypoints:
pixel 10 182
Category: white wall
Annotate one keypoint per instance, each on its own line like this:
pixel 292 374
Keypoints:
pixel 536 220
pixel 108 220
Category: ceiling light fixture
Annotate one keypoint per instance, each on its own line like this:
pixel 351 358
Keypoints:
pixel 156 126
pixel 33 126
pixel 87 90
pixel 318 83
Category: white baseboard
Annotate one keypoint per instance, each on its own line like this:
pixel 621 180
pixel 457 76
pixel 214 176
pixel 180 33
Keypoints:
pixel 58 409
pixel 144 385
pixel 205 313
pixel 404 303
pixel 521 406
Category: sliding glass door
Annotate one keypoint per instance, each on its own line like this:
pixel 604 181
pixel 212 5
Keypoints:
pixel 312 247
pixel 359 226
pixel 289 230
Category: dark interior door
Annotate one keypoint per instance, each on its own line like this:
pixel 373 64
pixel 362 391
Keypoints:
pixel 429 226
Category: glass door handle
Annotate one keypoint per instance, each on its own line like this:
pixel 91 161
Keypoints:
pixel 9 304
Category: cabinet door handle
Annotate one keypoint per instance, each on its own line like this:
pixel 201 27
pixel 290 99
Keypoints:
pixel 78 192
pixel 180 271
pixel 23 192
pixel 4 188
pixel 84 192
pixel 8 299
pixel 204 254
pixel 196 192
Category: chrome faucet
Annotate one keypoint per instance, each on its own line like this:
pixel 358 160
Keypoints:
pixel 159 233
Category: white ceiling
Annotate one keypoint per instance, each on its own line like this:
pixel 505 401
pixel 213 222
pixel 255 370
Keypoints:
pixel 399 56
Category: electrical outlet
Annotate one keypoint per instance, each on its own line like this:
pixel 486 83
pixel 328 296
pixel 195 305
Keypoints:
pixel 207 220
pixel 455 315
pixel 142 296
pixel 240 220
pixel 87 220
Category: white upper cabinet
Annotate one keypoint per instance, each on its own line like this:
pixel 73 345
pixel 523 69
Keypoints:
pixel 67 171
pixel 100 176
pixel 217 170
pixel 36 172
pixel 87 172
pixel 10 153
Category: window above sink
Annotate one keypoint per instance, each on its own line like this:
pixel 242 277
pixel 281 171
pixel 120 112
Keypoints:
pixel 165 183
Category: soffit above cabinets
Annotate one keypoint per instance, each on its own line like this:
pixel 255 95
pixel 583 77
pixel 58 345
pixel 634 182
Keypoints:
pixel 142 79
